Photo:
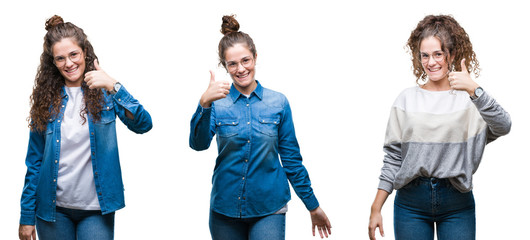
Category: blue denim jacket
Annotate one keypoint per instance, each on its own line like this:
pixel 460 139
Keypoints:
pixel 248 179
pixel 42 160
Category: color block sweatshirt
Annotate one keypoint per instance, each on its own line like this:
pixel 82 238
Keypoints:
pixel 439 134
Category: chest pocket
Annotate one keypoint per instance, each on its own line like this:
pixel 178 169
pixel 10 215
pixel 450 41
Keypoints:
pixel 226 127
pixel 107 114
pixel 269 125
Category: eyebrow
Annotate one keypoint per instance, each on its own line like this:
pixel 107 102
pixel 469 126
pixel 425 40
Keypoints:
pixel 74 51
pixel 432 52
pixel 240 59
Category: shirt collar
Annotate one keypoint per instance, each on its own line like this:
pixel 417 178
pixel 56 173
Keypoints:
pixel 235 94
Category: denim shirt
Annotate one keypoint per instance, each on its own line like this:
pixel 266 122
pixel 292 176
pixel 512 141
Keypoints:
pixel 42 159
pixel 248 179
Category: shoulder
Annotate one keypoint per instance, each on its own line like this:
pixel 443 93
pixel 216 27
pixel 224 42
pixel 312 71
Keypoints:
pixel 274 98
pixel 406 94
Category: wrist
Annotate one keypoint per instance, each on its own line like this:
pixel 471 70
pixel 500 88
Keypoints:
pixel 111 85
pixel 205 103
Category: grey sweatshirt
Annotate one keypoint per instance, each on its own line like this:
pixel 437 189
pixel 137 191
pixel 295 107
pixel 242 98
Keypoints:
pixel 439 134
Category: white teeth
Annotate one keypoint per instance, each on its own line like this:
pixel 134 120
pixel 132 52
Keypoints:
pixel 71 70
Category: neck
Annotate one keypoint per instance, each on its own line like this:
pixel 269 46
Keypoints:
pixel 248 89
pixel 440 85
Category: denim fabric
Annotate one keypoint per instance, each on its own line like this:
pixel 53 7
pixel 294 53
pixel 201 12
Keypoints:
pixel 271 227
pixel 425 202
pixel 72 224
pixel 42 159
pixel 248 179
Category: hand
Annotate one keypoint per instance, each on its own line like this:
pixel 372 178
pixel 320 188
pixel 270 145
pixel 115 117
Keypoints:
pixel 321 221
pixel 99 78
pixel 376 221
pixel 27 232
pixel 215 91
pixel 462 80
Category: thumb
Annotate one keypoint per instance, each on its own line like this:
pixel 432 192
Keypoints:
pixel 463 64
pixel 96 65
pixel 212 76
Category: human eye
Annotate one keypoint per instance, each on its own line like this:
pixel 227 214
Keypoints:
pixel 246 60
pixel 59 59
pixel 424 55
pixel 230 64
pixel 438 54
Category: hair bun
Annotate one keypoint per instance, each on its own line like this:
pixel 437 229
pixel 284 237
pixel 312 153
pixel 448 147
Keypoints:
pixel 53 21
pixel 229 25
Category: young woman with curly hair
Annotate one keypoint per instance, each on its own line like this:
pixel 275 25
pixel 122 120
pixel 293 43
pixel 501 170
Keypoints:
pixel 73 184
pixel 254 129
pixel 435 137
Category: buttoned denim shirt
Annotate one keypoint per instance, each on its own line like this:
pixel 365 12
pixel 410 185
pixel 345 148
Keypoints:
pixel 252 135
pixel 42 159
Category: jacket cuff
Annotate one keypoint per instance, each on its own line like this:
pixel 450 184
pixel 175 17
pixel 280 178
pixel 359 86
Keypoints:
pixel 311 202
pixel 27 218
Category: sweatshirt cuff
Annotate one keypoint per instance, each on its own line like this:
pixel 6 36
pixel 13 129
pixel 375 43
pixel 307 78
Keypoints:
pixel 311 202
pixel 385 185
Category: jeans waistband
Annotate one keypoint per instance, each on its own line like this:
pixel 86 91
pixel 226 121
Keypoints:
pixel 431 180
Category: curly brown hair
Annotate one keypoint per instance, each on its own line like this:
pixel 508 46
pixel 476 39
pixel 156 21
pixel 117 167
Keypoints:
pixel 232 36
pixel 453 38
pixel 45 100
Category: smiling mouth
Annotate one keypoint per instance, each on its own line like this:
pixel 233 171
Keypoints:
pixel 434 69
pixel 243 75
pixel 72 70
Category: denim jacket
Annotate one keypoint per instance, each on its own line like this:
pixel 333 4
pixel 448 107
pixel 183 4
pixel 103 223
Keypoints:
pixel 42 159
pixel 248 179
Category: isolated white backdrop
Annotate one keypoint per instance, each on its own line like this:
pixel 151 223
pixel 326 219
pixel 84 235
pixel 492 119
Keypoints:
pixel 340 63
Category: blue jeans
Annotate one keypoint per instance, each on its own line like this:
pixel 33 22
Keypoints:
pixel 74 224
pixel 425 202
pixel 271 227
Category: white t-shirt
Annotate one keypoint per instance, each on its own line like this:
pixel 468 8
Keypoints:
pixel 75 185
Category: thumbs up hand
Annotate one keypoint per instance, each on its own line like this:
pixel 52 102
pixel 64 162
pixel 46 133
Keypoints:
pixel 215 91
pixel 99 78
pixel 462 80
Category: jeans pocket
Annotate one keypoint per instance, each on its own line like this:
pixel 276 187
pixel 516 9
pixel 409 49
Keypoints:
pixel 226 127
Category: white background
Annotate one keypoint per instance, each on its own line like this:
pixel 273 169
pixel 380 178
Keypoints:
pixel 341 65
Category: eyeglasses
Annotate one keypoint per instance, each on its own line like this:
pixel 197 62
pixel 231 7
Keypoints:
pixel 438 56
pixel 73 56
pixel 245 62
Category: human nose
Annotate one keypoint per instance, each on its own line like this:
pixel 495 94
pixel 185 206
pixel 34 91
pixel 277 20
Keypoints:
pixel 240 67
pixel 68 62
pixel 431 60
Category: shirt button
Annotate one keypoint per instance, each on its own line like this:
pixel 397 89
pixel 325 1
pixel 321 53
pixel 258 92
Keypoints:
pixel 108 107
pixel 246 160
pixel 53 201
pixel 243 178
pixel 247 104
pixel 55 161
pixel 238 198
pixel 95 173
pixel 57 140
pixel 58 120
pixel 119 99
pixel 248 122
pixel 54 180
pixel 100 193
pixel 233 123
pixel 248 141
pixel 63 106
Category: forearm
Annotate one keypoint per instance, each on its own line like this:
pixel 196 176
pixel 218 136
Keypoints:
pixel 380 199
